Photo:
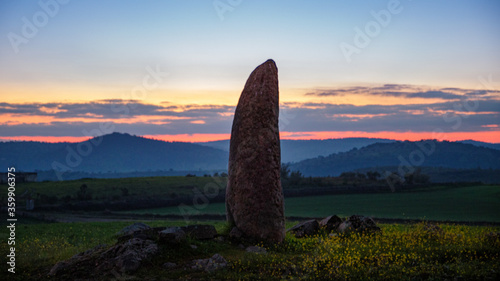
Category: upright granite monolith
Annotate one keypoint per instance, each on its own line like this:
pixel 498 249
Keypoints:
pixel 254 197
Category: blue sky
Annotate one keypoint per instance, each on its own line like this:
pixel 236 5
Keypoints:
pixel 98 50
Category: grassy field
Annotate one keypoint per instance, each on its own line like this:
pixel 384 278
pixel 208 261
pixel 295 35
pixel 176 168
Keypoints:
pixel 112 188
pixel 473 203
pixel 399 252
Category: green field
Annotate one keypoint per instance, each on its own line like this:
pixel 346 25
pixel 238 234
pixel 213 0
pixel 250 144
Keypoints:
pixel 102 189
pixel 473 203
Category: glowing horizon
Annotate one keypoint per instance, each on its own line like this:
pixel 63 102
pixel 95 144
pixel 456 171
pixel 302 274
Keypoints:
pixel 489 137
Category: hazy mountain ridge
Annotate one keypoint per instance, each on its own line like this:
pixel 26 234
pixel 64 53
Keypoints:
pixel 298 150
pixel 446 154
pixel 114 152
pixel 122 153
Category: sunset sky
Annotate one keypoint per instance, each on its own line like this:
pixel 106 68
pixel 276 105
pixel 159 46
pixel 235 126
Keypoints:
pixel 174 70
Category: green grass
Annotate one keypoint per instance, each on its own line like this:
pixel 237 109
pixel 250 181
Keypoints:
pixel 399 252
pixel 473 203
pixel 137 187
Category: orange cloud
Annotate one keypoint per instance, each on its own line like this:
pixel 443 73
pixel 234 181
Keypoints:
pixel 490 136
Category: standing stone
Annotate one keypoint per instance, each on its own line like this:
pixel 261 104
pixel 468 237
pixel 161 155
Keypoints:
pixel 254 197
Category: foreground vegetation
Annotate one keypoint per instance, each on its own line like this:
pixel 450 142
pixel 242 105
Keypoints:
pixel 399 252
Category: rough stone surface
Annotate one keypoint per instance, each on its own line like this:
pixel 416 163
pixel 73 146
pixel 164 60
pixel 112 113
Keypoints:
pixel 123 258
pixel 210 264
pixel 200 232
pixel 172 235
pixel 306 228
pixel 129 230
pixel 359 224
pixel 235 233
pixel 330 223
pixel 169 265
pixel 256 249
pixel 254 196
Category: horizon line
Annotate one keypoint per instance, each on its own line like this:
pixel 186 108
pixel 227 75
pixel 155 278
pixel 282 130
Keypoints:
pixel 492 137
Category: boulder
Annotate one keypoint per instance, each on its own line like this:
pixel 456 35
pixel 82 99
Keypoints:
pixel 172 235
pixel 99 262
pixel 254 196
pixel 330 223
pixel 169 265
pixel 359 224
pixel 210 264
pixel 307 228
pixel 256 250
pixel 129 230
pixel 235 233
pixel 200 232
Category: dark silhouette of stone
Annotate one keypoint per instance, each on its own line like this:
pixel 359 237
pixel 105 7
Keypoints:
pixel 330 223
pixel 209 265
pixel 128 230
pixel 172 235
pixel 307 228
pixel 102 261
pixel 254 196
pixel 235 233
pixel 358 223
pixel 256 250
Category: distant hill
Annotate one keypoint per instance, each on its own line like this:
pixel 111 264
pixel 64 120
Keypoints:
pixel 445 154
pixel 119 154
pixel 298 150
pixel 112 153
pixel 483 144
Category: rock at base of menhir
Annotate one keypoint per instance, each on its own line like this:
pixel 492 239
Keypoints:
pixel 172 235
pixel 307 228
pixel 254 196
pixel 209 265
pixel 358 223
pixel 330 223
pixel 102 261
pixel 335 224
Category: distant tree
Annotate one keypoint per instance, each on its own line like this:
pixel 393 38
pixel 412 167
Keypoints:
pixel 373 176
pixel 409 178
pixel 285 170
pixel 295 177
pixel 420 178
pixel 216 174
pixel 348 175
pixel 224 175
pixel 360 176
pixel 83 194
pixel 190 175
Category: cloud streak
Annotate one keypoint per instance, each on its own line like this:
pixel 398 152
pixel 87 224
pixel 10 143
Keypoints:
pixel 405 91
pixel 457 110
